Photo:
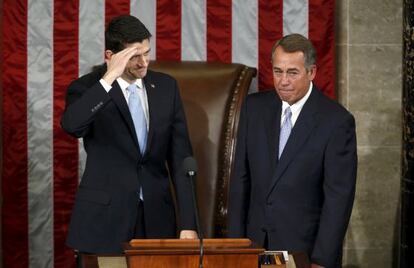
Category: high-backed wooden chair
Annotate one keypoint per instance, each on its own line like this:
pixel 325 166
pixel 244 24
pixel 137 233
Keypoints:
pixel 212 95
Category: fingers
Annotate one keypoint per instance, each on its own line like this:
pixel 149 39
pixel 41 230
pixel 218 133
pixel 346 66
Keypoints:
pixel 117 63
pixel 127 52
pixel 124 55
pixel 188 234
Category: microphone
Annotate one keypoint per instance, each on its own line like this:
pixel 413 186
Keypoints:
pixel 190 170
pixel 190 166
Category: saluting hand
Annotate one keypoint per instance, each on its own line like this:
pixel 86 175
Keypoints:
pixel 117 62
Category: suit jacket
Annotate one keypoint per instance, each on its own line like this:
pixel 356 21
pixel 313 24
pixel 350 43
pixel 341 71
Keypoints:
pixel 302 201
pixel 105 209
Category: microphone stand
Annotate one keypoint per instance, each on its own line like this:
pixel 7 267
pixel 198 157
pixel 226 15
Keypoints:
pixel 191 174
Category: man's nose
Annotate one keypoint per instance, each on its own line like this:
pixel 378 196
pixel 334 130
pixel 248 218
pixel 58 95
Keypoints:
pixel 284 78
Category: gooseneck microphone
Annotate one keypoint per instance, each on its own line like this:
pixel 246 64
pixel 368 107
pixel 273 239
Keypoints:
pixel 190 170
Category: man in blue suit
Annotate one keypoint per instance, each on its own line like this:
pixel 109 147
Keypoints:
pixel 293 184
pixel 135 134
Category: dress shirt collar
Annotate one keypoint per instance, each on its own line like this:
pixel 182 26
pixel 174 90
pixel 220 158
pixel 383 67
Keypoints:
pixel 124 84
pixel 296 108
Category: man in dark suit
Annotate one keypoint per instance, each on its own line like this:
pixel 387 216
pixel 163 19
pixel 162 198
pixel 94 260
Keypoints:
pixel 294 177
pixel 134 130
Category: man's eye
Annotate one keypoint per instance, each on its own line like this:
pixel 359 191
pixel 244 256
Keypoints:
pixel 292 73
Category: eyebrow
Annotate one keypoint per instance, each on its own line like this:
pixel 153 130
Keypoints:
pixel 289 69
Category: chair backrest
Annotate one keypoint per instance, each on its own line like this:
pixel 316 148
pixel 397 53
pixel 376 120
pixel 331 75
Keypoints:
pixel 212 95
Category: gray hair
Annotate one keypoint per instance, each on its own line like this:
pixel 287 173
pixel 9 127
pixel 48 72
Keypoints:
pixel 297 42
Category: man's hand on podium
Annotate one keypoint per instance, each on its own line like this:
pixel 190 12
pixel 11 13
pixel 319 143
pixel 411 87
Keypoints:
pixel 314 265
pixel 188 234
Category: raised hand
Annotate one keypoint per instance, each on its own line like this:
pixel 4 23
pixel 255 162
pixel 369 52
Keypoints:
pixel 117 62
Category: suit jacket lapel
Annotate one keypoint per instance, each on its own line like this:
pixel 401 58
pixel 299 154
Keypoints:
pixel 152 99
pixel 272 124
pixel 300 133
pixel 119 99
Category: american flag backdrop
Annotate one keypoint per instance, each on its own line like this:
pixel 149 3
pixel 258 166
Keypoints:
pixel 46 44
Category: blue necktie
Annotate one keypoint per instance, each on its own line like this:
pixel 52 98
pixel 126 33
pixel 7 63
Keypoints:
pixel 285 130
pixel 138 116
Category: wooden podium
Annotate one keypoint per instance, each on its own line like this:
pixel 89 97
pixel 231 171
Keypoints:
pixel 184 253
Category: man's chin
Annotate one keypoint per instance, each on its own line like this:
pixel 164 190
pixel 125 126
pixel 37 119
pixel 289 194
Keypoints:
pixel 140 75
pixel 285 96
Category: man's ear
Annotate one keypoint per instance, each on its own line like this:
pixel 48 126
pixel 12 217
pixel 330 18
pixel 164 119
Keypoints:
pixel 312 72
pixel 108 54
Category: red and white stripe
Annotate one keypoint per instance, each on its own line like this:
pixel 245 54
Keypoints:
pixel 39 132
pixel 46 44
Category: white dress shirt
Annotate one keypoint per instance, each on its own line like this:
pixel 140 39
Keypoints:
pixel 295 108
pixel 141 93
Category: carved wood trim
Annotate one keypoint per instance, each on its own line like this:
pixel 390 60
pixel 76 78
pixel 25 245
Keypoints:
pixel 227 153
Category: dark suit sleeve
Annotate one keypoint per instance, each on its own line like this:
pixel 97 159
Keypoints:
pixel 82 104
pixel 340 167
pixel 180 148
pixel 240 182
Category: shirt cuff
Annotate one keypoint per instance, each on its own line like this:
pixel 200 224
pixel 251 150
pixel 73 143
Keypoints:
pixel 105 85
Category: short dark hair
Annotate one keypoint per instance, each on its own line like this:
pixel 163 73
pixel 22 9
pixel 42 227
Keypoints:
pixel 124 30
pixel 297 42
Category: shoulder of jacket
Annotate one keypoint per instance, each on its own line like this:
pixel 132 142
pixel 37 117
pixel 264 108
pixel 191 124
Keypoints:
pixel 159 75
pixel 262 97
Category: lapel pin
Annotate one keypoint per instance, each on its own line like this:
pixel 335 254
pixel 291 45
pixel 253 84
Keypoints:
pixel 152 85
